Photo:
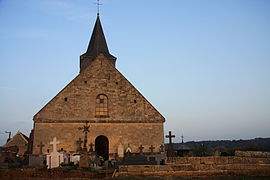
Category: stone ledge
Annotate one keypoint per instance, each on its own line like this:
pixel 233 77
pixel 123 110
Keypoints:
pixel 92 121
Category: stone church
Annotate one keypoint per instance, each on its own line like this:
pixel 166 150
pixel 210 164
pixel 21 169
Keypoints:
pixel 100 98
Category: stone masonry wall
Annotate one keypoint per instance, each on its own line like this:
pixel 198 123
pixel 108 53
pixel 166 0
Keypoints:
pixel 134 134
pixel 131 118
pixel 206 166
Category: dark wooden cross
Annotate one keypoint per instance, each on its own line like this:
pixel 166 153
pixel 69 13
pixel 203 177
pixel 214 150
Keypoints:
pixel 141 149
pixel 170 136
pixel 79 142
pixel 40 145
pixel 91 145
pixel 152 149
pixel 161 148
pixel 85 129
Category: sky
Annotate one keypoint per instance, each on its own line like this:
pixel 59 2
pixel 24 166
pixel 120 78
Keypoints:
pixel 204 64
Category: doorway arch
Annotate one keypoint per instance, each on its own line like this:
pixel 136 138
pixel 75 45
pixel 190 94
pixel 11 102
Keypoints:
pixel 102 147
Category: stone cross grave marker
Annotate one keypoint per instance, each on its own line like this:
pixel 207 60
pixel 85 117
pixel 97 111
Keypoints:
pixel 152 149
pixel 40 145
pixel 141 149
pixel 54 143
pixel 54 159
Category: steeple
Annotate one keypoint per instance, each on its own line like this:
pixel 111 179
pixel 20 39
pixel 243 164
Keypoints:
pixel 97 46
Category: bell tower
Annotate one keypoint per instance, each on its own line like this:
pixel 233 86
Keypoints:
pixel 97 46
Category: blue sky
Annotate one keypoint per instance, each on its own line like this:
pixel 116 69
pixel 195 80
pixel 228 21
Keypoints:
pixel 205 65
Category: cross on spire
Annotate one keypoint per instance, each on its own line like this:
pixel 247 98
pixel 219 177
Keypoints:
pixel 170 136
pixel 98 4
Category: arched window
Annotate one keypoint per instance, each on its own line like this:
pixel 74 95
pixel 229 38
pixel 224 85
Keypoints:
pixel 102 106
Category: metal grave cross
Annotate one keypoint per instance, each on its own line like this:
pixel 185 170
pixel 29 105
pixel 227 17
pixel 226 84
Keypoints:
pixel 85 129
pixel 54 143
pixel 170 136
pixel 40 145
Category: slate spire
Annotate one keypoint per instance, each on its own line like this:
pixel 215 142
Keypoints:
pixel 97 46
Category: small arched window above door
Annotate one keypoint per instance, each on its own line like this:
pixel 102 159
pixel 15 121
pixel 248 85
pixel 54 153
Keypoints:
pixel 102 106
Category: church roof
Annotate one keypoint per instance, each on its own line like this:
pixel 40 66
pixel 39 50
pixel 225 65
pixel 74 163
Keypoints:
pixel 98 44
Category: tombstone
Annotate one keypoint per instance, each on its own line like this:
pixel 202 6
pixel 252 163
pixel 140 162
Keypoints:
pixel 152 149
pixel 84 159
pixel 141 149
pixel 75 158
pixel 128 151
pixel 36 160
pixel 54 159
pixel 91 149
pixel 120 151
pixel 79 145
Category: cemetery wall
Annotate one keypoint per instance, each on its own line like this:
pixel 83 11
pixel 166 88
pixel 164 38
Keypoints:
pixel 196 166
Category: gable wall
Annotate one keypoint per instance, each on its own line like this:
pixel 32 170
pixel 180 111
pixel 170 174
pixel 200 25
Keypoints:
pixel 99 78
pixel 132 119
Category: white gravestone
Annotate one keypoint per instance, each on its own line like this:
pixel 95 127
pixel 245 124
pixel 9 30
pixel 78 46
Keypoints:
pixel 75 158
pixel 120 151
pixel 54 159
pixel 128 150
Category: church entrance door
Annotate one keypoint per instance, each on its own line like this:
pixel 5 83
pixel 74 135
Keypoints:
pixel 102 147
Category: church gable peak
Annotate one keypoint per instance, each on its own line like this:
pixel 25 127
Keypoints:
pixel 97 46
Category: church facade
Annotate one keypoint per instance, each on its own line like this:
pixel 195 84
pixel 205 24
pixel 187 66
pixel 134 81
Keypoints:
pixel 100 98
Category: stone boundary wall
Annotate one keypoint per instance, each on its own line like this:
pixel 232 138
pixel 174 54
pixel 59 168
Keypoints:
pixel 203 166
pixel 219 160
pixel 258 154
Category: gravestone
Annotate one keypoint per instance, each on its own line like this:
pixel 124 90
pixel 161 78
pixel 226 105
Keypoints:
pixel 141 149
pixel 79 145
pixel 84 159
pixel 54 159
pixel 152 149
pixel 75 158
pixel 120 151
pixel 128 150
pixel 36 160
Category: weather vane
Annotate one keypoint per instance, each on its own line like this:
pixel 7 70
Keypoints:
pixel 98 4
